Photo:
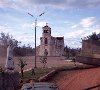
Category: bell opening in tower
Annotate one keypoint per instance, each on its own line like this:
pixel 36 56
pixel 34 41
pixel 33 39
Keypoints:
pixel 45 31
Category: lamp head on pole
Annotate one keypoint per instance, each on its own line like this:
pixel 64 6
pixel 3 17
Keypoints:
pixel 30 14
pixel 41 14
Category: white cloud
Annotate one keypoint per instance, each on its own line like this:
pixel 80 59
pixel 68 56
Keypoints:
pixel 27 25
pixel 74 26
pixel 5 29
pixel 74 34
pixel 25 38
pixel 2 28
pixel 88 22
pixel 41 24
pixel 83 28
pixel 73 38
pixel 97 30
pixel 28 39
pixel 10 4
pixel 66 3
pixel 31 25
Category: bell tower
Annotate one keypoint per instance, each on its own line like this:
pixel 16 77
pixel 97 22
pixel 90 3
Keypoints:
pixel 45 40
pixel 46 31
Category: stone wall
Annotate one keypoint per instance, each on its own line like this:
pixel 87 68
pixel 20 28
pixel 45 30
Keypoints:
pixel 90 47
pixel 90 53
pixel 88 60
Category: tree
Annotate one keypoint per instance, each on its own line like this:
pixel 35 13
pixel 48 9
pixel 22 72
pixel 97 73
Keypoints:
pixel 74 61
pixel 18 50
pixel 66 49
pixel 43 60
pixel 22 64
pixel 23 51
pixel 73 52
pixel 94 36
pixel 5 37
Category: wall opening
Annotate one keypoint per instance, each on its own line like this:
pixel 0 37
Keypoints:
pixel 46 41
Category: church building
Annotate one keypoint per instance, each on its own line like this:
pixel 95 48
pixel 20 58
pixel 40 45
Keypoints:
pixel 54 46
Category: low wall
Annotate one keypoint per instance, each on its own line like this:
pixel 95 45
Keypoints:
pixel 51 74
pixel 47 76
pixel 88 60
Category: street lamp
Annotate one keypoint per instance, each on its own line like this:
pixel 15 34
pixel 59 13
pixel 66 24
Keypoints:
pixel 35 32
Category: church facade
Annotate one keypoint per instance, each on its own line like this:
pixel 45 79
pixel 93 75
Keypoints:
pixel 53 46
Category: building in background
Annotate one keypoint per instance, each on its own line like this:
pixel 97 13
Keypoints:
pixel 53 46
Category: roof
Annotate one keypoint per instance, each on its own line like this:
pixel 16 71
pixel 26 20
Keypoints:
pixel 59 38
pixel 46 27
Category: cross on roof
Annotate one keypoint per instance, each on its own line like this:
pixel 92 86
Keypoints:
pixel 46 24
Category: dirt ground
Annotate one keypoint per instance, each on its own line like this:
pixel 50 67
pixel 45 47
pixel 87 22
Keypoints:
pixel 51 62
pixel 78 80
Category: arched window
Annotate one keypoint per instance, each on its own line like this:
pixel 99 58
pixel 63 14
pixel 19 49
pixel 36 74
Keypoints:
pixel 46 41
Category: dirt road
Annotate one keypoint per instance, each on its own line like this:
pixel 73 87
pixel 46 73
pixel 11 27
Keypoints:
pixel 78 80
pixel 51 62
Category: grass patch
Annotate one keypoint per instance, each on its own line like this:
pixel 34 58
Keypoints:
pixel 38 73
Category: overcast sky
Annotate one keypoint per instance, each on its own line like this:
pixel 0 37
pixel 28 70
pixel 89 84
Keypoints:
pixel 73 19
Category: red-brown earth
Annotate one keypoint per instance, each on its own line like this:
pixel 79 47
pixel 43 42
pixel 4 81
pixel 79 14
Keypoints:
pixel 51 62
pixel 78 79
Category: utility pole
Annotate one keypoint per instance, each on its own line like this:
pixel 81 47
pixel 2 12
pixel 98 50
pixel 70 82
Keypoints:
pixel 35 41
pixel 35 33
